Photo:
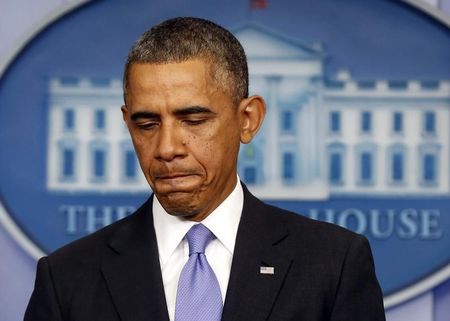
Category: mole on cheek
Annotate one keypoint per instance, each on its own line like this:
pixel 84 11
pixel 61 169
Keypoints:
pixel 208 148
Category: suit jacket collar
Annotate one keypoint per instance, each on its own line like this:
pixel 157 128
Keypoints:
pixel 132 271
pixel 261 242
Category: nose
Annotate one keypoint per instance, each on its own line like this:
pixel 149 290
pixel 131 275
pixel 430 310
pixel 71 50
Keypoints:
pixel 170 144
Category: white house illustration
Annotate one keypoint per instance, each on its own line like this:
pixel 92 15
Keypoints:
pixel 320 138
pixel 89 148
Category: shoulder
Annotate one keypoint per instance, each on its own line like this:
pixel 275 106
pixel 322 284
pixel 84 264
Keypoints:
pixel 323 245
pixel 75 272
pixel 298 224
pixel 314 232
pixel 305 235
pixel 87 251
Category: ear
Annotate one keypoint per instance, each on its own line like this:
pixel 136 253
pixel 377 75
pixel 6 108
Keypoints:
pixel 125 113
pixel 251 113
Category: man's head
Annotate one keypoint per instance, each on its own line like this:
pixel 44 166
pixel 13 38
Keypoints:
pixel 185 116
pixel 185 38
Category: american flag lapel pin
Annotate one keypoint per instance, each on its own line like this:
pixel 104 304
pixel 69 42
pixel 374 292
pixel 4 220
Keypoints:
pixel 270 270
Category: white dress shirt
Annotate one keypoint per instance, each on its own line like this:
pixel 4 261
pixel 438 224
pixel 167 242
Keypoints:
pixel 173 247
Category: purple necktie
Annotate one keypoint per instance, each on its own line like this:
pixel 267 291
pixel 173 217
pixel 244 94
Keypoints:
pixel 198 294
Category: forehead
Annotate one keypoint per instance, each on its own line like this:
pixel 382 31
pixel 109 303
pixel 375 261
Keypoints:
pixel 163 83
pixel 169 74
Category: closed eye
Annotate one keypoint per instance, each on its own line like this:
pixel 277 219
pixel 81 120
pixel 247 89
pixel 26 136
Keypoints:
pixel 194 115
pixel 194 122
pixel 145 120
pixel 147 124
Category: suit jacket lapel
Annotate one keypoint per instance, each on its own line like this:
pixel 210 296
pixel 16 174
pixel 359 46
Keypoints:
pixel 132 271
pixel 260 242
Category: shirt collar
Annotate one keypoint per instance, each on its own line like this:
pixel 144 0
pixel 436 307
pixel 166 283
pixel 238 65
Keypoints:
pixel 223 222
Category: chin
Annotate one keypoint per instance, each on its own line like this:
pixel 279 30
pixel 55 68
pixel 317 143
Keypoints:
pixel 179 204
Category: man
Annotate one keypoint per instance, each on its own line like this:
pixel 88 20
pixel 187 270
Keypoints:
pixel 202 247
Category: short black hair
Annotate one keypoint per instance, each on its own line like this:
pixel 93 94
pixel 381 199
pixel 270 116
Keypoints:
pixel 183 38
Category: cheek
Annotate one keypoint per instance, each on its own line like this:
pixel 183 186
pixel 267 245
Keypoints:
pixel 201 148
pixel 214 152
pixel 143 150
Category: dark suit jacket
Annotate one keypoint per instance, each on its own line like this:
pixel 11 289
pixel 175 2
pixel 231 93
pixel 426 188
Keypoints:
pixel 322 272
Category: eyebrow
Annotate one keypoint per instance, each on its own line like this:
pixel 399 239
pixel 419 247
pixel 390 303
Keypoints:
pixel 143 114
pixel 185 111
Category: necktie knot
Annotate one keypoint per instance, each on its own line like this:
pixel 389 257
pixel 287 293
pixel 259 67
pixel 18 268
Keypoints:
pixel 198 238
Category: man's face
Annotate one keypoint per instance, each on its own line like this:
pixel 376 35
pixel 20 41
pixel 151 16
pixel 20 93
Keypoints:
pixel 186 133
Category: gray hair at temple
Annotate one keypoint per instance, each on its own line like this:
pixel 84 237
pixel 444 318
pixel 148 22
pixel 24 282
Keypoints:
pixel 185 38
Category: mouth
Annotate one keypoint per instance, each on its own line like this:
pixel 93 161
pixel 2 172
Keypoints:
pixel 173 176
pixel 176 182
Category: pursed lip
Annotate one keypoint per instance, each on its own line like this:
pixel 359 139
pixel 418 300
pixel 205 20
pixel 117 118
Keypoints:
pixel 173 176
pixel 176 182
